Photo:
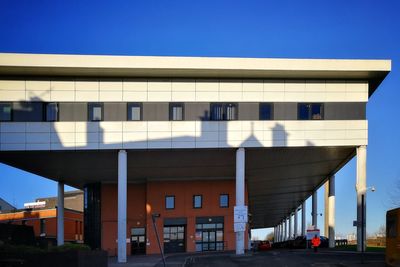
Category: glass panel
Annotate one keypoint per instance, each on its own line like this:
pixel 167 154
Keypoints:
pixel 51 112
pixel 166 236
pixel 173 236
pixel 137 231
pixel 316 111
pixel 211 246
pixel 166 229
pixel 230 112
pixel 205 246
pixel 170 202
pixel 177 113
pixel 220 235
pixel 223 201
pixel 198 235
pixel 174 229
pixel 199 226
pixel 217 112
pixel 95 112
pixel 209 226
pixel 181 229
pixel 205 236
pixel 198 247
pixel 220 246
pixel 141 238
pixel 5 112
pixel 134 112
pixel 220 225
pixel 181 236
pixel 211 236
pixel 265 111
pixel 197 201
pixel 304 110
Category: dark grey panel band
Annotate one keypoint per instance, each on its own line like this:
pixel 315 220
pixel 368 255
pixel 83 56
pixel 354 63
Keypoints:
pixel 115 111
pixel 285 111
pixel 345 111
pixel 197 111
pixel 27 111
pixel 249 111
pixel 156 111
pixel 73 111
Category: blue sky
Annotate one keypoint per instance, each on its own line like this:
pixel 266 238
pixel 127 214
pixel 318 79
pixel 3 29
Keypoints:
pixel 279 29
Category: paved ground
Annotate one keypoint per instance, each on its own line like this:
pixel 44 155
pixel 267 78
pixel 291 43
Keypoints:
pixel 273 258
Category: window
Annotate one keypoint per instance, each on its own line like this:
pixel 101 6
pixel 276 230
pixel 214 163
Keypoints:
pixel 95 111
pixel 224 201
pixel 310 111
pixel 135 111
pixel 170 202
pixel 265 111
pixel 224 111
pixel 51 112
pixel 197 201
pixel 176 112
pixel 5 111
pixel 42 227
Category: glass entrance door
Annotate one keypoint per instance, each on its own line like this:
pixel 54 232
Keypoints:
pixel 138 241
pixel 174 239
pixel 209 236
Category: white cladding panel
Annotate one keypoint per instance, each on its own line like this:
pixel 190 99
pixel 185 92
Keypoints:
pixel 182 134
pixel 184 90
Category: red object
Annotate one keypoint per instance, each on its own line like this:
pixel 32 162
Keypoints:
pixel 264 245
pixel 316 241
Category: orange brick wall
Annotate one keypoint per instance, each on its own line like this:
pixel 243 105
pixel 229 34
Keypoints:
pixel 152 195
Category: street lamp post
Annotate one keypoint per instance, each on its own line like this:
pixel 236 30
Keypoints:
pixel 372 188
pixel 153 217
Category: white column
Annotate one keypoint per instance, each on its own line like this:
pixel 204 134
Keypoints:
pixel 240 169
pixel 295 224
pixel 290 226
pixel 279 232
pixel 326 210
pixel 286 229
pixel 303 219
pixel 314 209
pixel 361 187
pixel 122 188
pixel 331 217
pixel 60 214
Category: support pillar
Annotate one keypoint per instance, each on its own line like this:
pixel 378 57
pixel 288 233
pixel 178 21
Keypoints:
pixel 303 219
pixel 240 172
pixel 361 187
pixel 326 209
pixel 286 229
pixel 331 217
pixel 295 233
pixel 314 212
pixel 60 214
pixel 122 191
pixel 290 227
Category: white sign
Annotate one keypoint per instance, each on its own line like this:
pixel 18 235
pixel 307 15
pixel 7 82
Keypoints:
pixel 239 227
pixel 240 214
pixel 312 233
pixel 35 205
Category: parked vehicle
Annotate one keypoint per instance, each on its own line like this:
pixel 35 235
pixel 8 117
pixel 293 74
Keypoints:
pixel 264 245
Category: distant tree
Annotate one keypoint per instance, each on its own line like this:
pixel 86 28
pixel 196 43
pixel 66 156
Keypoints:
pixel 381 231
pixel 254 237
pixel 270 236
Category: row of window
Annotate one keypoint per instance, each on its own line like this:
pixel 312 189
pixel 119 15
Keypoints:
pixel 218 111
pixel 197 201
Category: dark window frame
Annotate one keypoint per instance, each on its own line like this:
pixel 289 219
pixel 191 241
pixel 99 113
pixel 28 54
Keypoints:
pixel 166 207
pixel 42 226
pixel 11 110
pixel 46 104
pixel 134 104
pixel 90 111
pixel 224 110
pixel 194 201
pixel 309 117
pixel 260 105
pixel 221 206
pixel 171 109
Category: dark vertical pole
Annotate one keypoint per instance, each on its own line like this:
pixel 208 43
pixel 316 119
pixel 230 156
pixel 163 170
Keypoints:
pixel 153 217
pixel 362 228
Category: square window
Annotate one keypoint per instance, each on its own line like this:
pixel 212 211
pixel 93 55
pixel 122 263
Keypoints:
pixel 134 111
pixel 217 112
pixel 5 111
pixel 95 112
pixel 176 111
pixel 223 111
pixel 224 201
pixel 310 111
pixel 51 112
pixel 197 201
pixel 265 111
pixel 170 202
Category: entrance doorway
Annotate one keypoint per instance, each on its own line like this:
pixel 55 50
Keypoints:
pixel 138 241
pixel 174 238
pixel 209 234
